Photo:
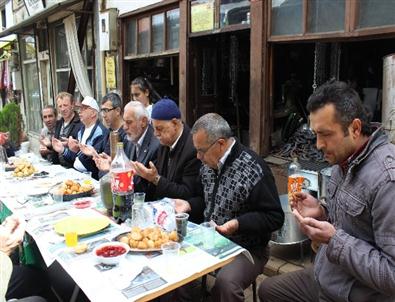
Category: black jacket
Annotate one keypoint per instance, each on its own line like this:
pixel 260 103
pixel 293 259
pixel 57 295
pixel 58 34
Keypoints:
pixel 75 126
pixel 178 169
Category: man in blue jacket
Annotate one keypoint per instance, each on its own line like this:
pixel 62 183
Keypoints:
pixel 91 133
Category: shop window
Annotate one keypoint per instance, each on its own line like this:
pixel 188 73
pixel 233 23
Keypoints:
pixel 286 17
pixel 326 15
pixel 373 13
pixel 130 38
pixel 143 35
pixel 234 12
pixel 158 32
pixel 172 28
pixel 31 87
pixel 62 63
pixel 152 34
pixel 202 15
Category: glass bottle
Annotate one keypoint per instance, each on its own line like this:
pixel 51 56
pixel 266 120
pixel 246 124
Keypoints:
pixel 121 185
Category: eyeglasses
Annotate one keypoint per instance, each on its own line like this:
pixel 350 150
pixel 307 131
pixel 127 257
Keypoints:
pixel 106 110
pixel 202 152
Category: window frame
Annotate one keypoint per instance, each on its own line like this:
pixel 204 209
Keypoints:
pixel 217 26
pixel 350 26
pixel 124 23
pixel 52 47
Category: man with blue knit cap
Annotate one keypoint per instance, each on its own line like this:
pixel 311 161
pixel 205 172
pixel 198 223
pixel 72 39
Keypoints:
pixel 176 170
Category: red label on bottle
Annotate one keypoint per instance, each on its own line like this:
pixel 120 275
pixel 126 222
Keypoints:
pixel 122 182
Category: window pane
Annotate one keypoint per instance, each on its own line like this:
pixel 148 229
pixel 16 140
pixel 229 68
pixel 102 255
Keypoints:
pixel 32 95
pixel 157 32
pixel 143 35
pixel 62 80
pixel 326 15
pixel 235 12
pixel 130 37
pixel 28 48
pixel 286 17
pixel 173 27
pixel 376 13
pixel 202 15
pixel 62 56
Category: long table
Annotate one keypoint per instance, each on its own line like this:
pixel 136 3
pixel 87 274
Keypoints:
pixel 140 276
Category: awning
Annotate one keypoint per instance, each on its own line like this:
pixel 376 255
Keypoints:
pixel 27 23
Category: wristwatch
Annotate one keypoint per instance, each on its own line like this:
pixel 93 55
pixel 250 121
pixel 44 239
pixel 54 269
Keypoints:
pixel 156 180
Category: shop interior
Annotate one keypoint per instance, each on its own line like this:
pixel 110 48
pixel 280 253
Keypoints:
pixel 162 72
pixel 297 67
pixel 220 78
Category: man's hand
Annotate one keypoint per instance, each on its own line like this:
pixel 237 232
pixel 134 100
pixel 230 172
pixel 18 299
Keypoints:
pixel 228 228
pixel 74 145
pixel 88 150
pixel 182 206
pixel 147 173
pixel 307 206
pixel 103 161
pixel 318 231
pixel 57 145
pixel 44 151
pixel 12 231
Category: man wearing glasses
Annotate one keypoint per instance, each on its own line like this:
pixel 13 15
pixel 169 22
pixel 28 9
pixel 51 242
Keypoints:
pixel 175 172
pixel 239 197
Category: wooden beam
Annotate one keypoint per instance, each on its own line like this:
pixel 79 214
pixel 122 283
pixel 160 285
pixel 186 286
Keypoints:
pixel 184 104
pixel 260 103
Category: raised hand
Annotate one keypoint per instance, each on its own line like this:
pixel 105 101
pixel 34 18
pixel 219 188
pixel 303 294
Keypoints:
pixel 307 206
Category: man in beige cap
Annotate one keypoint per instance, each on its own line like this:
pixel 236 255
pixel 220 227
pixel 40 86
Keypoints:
pixel 91 134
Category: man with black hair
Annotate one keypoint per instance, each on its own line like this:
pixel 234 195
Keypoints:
pixel 356 229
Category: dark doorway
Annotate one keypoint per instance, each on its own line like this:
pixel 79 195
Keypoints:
pixel 220 78
pixel 162 72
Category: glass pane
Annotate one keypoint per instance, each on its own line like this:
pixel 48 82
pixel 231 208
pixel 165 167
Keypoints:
pixel 173 27
pixel 326 15
pixel 376 13
pixel 62 80
pixel 89 45
pixel 286 17
pixel 32 95
pixel 28 48
pixel 62 56
pixel 202 15
pixel 143 46
pixel 235 12
pixel 157 32
pixel 130 37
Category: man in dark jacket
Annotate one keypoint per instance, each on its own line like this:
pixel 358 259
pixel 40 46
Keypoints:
pixel 141 145
pixel 356 229
pixel 239 196
pixel 176 169
pixel 67 126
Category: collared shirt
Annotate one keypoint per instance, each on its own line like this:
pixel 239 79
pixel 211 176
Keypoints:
pixel 222 160
pixel 77 163
pixel 140 142
pixel 178 138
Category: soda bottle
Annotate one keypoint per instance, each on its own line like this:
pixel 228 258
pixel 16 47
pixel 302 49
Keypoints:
pixel 121 185
pixel 295 179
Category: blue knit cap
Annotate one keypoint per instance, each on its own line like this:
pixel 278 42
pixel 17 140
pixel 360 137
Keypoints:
pixel 165 110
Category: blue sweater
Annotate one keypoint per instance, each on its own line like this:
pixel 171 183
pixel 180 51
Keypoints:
pixel 95 139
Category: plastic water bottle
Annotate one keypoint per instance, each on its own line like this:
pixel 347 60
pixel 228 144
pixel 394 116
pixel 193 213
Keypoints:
pixel 295 179
pixel 121 185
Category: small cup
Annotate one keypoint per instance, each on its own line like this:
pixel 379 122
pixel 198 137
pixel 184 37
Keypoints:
pixel 57 197
pixel 87 178
pixel 208 233
pixel 70 237
pixel 138 197
pixel 170 251
pixel 181 223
